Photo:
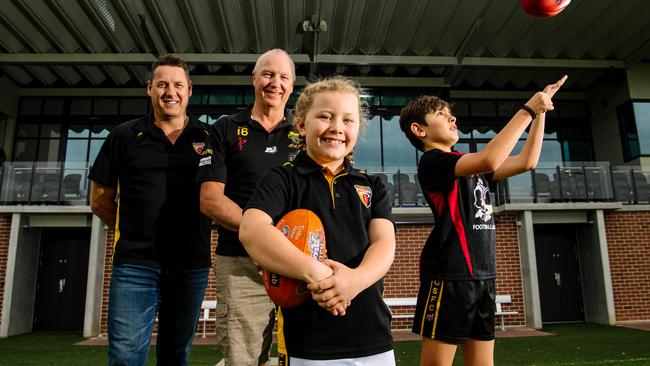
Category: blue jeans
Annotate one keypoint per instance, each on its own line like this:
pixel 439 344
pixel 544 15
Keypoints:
pixel 136 294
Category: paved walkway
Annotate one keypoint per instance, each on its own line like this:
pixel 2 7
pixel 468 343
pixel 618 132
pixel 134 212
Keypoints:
pixel 397 336
pixel 635 325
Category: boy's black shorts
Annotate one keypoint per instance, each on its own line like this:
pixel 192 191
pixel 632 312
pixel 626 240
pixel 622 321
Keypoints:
pixel 454 311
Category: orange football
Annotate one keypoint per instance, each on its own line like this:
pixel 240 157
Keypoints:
pixel 305 230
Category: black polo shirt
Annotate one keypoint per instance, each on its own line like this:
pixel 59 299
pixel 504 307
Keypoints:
pixel 159 221
pixel 462 244
pixel 345 206
pixel 242 152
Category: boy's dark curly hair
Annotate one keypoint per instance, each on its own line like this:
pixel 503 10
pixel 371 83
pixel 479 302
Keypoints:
pixel 416 111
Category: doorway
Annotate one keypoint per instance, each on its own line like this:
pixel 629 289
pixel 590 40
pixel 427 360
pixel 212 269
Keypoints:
pixel 61 279
pixel 558 273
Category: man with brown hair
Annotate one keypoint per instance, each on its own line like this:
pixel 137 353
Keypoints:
pixel 143 185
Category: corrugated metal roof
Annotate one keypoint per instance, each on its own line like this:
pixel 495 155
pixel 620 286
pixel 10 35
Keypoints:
pixel 471 43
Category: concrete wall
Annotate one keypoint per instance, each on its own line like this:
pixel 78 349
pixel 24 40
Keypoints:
pixel 25 277
pixel 639 81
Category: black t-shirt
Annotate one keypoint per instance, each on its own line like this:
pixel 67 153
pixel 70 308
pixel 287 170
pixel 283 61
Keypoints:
pixel 462 243
pixel 159 222
pixel 242 152
pixel 345 208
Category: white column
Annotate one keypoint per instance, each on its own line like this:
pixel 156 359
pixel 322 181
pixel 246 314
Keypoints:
pixel 94 287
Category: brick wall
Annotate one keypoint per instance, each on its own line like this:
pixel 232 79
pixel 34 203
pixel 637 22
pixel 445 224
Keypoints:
pixel 210 292
pixel 5 230
pixel 108 267
pixel 628 242
pixel 509 281
pixel 402 279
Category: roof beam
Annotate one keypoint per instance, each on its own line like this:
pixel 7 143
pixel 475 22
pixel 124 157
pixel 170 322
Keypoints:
pixel 131 58
pixel 381 60
pixel 356 60
pixel 540 63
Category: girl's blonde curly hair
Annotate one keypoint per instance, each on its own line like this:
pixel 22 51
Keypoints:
pixel 332 84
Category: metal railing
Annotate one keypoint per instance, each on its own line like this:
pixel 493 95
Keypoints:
pixel 548 183
pixel 59 183
pixel 577 182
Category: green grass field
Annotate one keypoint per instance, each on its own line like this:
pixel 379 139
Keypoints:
pixel 576 344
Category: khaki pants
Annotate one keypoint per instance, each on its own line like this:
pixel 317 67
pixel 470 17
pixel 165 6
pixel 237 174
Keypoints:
pixel 245 314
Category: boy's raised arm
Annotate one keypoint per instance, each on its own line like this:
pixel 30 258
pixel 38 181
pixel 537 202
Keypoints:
pixel 529 155
pixel 491 158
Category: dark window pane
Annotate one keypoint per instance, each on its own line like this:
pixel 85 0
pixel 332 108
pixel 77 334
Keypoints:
pixel 394 98
pixel 51 131
pixel 293 98
pixel 573 129
pixel 199 96
pixel 483 108
pixel 508 108
pixel 460 108
pixel 134 106
pixel 577 151
pixel 627 127
pixel 222 97
pixel 551 128
pixel 106 106
pixel 371 97
pixel 568 108
pixel 30 106
pixel 27 130
pixel 48 150
pixel 25 150
pixel 249 97
pixel 81 106
pixel 53 106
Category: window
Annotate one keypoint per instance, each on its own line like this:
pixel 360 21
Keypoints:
pixel 367 153
pixel 634 125
pixel 398 152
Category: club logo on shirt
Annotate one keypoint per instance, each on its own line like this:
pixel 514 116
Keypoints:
pixel 294 140
pixel 271 149
pixel 483 207
pixel 241 141
pixel 365 194
pixel 199 147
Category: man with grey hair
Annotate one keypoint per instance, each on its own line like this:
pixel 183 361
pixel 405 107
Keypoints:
pixel 244 147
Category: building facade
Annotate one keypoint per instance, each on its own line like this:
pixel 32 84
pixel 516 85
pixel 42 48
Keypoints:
pixel 573 236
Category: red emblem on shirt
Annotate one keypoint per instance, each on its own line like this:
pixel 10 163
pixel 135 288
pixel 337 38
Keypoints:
pixel 241 141
pixel 198 147
pixel 365 194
